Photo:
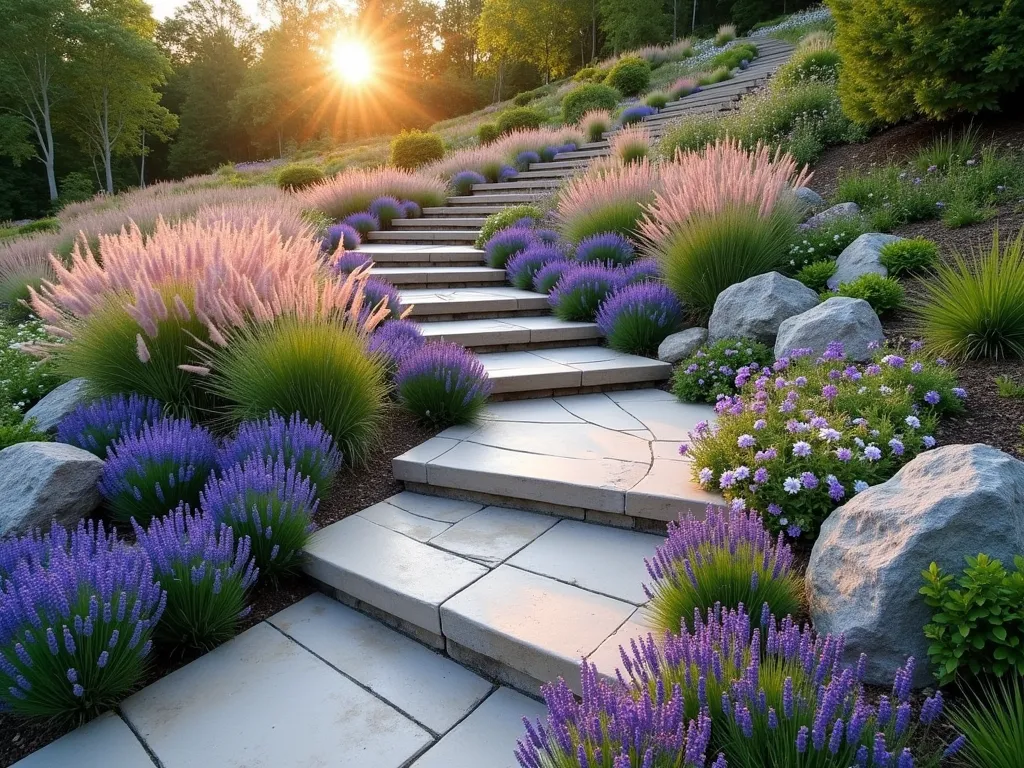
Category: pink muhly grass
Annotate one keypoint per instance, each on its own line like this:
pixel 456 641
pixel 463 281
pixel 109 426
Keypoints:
pixel 25 262
pixel 608 198
pixel 594 123
pixel 631 143
pixel 488 159
pixel 354 189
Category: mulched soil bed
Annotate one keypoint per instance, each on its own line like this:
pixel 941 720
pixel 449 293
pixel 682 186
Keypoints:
pixel 353 490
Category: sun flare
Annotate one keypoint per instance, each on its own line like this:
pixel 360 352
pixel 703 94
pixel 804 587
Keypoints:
pixel 352 61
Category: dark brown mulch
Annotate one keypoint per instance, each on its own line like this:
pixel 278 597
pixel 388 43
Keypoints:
pixel 353 490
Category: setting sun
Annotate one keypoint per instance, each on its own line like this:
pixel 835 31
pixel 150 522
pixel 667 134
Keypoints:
pixel 352 61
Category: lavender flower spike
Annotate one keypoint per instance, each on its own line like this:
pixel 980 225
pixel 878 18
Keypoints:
pixel 93 426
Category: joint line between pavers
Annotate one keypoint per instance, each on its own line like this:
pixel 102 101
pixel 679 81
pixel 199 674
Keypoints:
pixel 551 455
pixel 142 742
pixel 427 747
pixel 574 584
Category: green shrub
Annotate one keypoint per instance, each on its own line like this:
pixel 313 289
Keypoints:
pixel 581 100
pixel 25 378
pixel 311 367
pixel 20 432
pixel 411 149
pixel 906 256
pixel 39 225
pixel 812 64
pixel 711 370
pixel 732 57
pixel 884 294
pixel 719 75
pixel 630 76
pixel 953 57
pixel 505 219
pixel 487 133
pixel 816 274
pixel 519 118
pixel 826 242
pixel 977 619
pixel 76 187
pixel 590 75
pixel 1007 387
pixel 658 99
pixel 993 722
pixel 975 308
pixel 522 99
pixel 298 176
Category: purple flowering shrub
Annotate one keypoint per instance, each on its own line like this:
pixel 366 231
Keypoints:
pixel 386 209
pixel 642 270
pixel 394 339
pixel 506 244
pixel 206 575
pixel 304 446
pixel 75 622
pixel 411 209
pixel 148 474
pixel 362 222
pixel 609 248
pixel 636 114
pixel 521 268
pixel 349 261
pixel 637 318
pixel 376 290
pixel 728 558
pixel 341 235
pixel 582 287
pixel 547 236
pixel 463 182
pixel 95 425
pixel 526 158
pixel 545 278
pixel 442 383
pixel 803 436
pixel 269 502
pixel 711 370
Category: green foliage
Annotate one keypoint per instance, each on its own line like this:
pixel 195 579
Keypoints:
pixel 811 64
pixel 993 722
pixel 711 370
pixel 590 75
pixel 20 432
pixel 975 308
pixel 39 225
pixel 524 98
pixel 907 256
pixel 947 151
pixel 411 149
pixel 900 61
pixel 719 75
pixel 977 625
pixel 815 275
pixel 884 294
pixel 505 219
pixel 487 133
pixel 581 100
pixel 517 119
pixel 658 99
pixel 311 367
pixel 731 57
pixel 726 34
pixel 298 176
pixel 826 242
pixel 712 252
pixel 629 24
pixel 630 76
pixel 1007 387
pixel 23 379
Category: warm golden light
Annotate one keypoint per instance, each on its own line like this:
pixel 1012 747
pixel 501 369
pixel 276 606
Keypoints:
pixel 352 61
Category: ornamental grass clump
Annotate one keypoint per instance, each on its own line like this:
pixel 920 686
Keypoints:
pixel 150 473
pixel 386 209
pixel 75 625
pixel 206 575
pixel 582 287
pixel 631 144
pixel 724 214
pixel 546 277
pixel 711 370
pixel 464 181
pixel 393 340
pixel 304 446
pixel 596 123
pixel 806 434
pixel 992 720
pixel 506 244
pixel 343 236
pixel 363 223
pixel 638 317
pixel 728 558
pixel 269 502
pixel 521 268
pixel 608 198
pixel 609 248
pixel 353 190
pixel 442 383
pixel 95 425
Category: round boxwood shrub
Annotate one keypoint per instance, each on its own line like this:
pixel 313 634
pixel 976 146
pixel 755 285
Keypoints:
pixel 411 149
pixel 524 98
pixel 658 99
pixel 589 97
pixel 487 133
pixel 884 294
pixel 519 119
pixel 631 76
pixel 909 255
pixel 816 274
pixel 298 176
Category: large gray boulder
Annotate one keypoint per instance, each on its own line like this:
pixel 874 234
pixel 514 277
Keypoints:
pixel 49 411
pixel 865 568
pixel 809 201
pixel 681 345
pixel 841 211
pixel 40 482
pixel 862 256
pixel 850 321
pixel 755 308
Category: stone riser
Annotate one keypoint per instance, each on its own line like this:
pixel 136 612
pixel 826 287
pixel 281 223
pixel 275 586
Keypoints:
pixel 526 346
pixel 493 315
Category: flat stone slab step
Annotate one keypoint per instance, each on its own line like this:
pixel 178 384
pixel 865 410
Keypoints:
pixel 440 304
pixel 582 154
pixel 424 236
pixel 509 198
pixel 440 276
pixel 413 253
pixel 517 184
pixel 462 210
pixel 517 331
pixel 551 173
pixel 432 222
pixel 614 453
pixel 571 367
pixel 560 165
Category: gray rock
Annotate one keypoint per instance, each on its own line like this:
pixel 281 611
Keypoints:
pixel 681 345
pixel 850 321
pixel 860 257
pixel 841 211
pixel 755 308
pixel 57 404
pixel 40 482
pixel 809 200
pixel 865 568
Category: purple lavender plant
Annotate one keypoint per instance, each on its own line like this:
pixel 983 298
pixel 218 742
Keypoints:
pixel 376 290
pixel 521 268
pixel 545 278
pixel 547 236
pixel 151 473
pixel 608 248
pixel 581 289
pixel 642 270
pixel 442 383
pixel 270 503
pixel 93 426
pixel 505 244
pixel 463 182
pixel 342 235
pixel 75 628
pixel 637 318
pixel 301 445
pixel 507 173
pixel 386 209
pixel 349 261
pixel 206 575
pixel 363 223
pixel 411 209
pixel 394 339
pixel 526 158
pixel 636 114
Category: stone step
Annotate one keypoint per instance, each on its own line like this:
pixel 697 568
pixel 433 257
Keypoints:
pixel 556 173
pixel 462 210
pixel 517 184
pixel 582 154
pixel 440 276
pixel 507 334
pixel 424 236
pixel 473 303
pixel 412 254
pixel 594 145
pixel 560 165
pixel 509 198
pixel 517 595
pixel 453 222
pixel 612 457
